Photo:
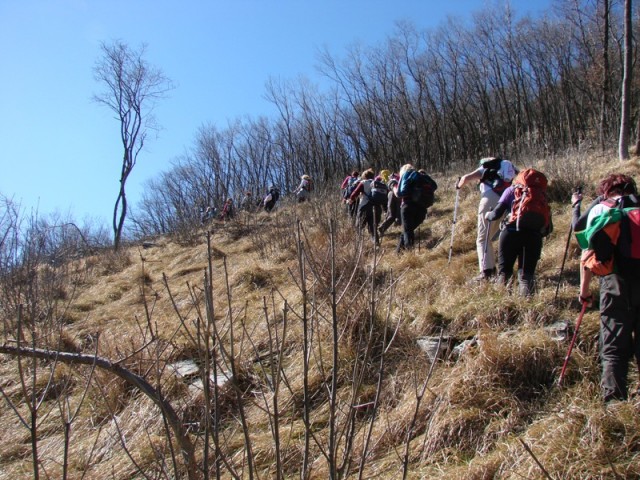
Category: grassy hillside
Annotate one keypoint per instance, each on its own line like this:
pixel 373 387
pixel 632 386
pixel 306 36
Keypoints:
pixel 296 318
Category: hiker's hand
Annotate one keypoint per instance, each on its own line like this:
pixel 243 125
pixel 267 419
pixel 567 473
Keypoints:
pixel 488 216
pixel 588 299
pixel 576 198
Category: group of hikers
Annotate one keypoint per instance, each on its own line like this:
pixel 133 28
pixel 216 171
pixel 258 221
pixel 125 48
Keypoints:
pixel 267 202
pixel 513 205
pixel 406 196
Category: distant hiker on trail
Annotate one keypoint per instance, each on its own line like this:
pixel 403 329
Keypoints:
pixel 303 192
pixel 348 185
pixel 227 210
pixel 368 212
pixel 609 234
pixel 416 192
pixel 269 201
pixel 393 209
pixel 247 202
pixel 207 214
pixel 494 176
pixel 527 223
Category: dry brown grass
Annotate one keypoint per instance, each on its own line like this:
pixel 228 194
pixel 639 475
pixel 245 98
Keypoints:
pixel 477 407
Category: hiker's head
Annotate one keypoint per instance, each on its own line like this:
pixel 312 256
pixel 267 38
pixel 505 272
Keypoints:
pixel 385 174
pixel 616 184
pixel 355 173
pixel 368 174
pixel 422 171
pixel 405 168
pixel 306 177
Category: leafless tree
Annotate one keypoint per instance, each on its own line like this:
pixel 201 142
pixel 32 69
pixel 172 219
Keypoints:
pixel 625 104
pixel 131 89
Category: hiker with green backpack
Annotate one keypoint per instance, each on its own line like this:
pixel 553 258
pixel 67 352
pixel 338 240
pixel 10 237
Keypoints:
pixel 528 221
pixel 493 175
pixel 609 234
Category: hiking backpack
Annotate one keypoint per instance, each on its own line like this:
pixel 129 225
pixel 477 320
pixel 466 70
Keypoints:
pixel 379 192
pixel 352 183
pixel 530 208
pixel 611 242
pixel 419 188
pixel 491 175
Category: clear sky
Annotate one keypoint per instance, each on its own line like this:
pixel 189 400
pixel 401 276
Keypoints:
pixel 59 151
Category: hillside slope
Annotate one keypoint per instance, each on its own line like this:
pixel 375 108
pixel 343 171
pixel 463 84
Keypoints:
pixel 316 342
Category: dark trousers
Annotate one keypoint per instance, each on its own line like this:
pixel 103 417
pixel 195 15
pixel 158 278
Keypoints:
pixel 411 216
pixel 524 246
pixel 619 333
pixel 369 216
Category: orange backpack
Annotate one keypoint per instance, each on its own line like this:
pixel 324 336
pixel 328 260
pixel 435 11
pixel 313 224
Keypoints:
pixel 530 208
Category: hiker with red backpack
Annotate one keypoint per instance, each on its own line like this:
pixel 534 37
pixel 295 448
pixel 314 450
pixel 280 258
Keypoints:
pixel 493 175
pixel 416 192
pixel 368 211
pixel 528 221
pixel 609 234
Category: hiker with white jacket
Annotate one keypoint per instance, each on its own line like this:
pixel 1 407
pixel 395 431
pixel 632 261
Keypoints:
pixel 493 175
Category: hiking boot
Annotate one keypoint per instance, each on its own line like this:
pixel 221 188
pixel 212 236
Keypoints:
pixel 526 285
pixel 485 275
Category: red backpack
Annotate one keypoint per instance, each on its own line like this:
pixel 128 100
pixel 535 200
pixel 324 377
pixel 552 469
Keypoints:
pixel 530 209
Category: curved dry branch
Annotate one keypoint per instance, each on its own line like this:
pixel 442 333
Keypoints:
pixel 186 447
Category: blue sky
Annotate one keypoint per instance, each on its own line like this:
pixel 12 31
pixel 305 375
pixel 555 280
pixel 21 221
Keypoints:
pixel 59 151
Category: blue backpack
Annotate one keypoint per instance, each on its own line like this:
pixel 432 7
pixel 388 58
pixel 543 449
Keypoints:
pixel 418 188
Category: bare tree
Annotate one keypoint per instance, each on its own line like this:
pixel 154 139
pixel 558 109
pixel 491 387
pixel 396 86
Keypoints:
pixel 625 114
pixel 131 90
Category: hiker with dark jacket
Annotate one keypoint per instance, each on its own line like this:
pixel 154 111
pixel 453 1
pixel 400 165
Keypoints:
pixel 393 209
pixel 519 240
pixel 269 201
pixel 411 213
pixel 490 181
pixel 619 285
pixel 368 213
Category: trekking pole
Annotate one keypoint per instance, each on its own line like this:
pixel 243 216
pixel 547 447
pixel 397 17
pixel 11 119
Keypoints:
pixel 564 257
pixel 487 240
pixel 573 341
pixel 455 216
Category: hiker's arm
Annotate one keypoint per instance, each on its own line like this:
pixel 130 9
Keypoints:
pixel 475 175
pixel 356 192
pixel 579 221
pixel 503 205
pixel 497 212
pixel 585 281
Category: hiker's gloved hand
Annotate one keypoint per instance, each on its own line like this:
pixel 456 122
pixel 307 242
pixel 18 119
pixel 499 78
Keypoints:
pixel 576 198
pixel 489 216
